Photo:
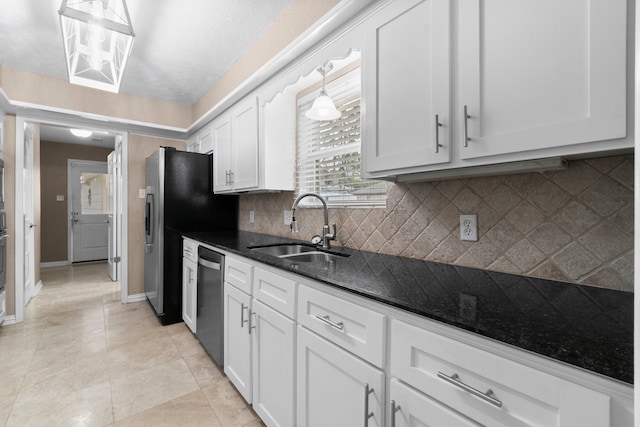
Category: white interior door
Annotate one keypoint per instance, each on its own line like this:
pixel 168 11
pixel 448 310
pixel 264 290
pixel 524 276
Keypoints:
pixel 28 215
pixel 89 210
pixel 112 238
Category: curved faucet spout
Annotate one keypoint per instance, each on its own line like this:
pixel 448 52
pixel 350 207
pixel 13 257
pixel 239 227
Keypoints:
pixel 326 235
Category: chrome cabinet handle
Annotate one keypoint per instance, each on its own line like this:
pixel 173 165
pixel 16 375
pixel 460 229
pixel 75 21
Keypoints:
pixel 242 319
pixel 367 391
pixel 251 313
pixel 394 408
pixel 190 277
pixel 466 129
pixel 487 397
pixel 231 177
pixel 438 124
pixel 325 319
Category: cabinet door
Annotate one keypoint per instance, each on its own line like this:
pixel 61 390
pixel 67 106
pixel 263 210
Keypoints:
pixel 406 85
pixel 189 293
pixel 332 386
pixel 273 366
pixel 237 339
pixel 205 141
pixel 538 74
pixel 222 154
pixel 413 409
pixel 245 145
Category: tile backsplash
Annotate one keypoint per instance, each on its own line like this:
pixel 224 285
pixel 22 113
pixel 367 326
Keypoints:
pixel 573 225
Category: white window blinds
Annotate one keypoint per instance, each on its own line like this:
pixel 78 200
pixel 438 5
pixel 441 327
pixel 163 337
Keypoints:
pixel 329 151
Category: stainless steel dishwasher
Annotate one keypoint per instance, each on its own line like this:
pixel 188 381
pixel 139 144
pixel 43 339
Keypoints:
pixel 210 312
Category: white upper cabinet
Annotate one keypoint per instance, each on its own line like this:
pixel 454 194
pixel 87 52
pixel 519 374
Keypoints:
pixel 509 81
pixel 235 148
pixel 406 85
pixel 540 74
pixel 205 141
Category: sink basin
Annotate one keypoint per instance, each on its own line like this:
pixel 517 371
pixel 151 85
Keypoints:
pixel 298 252
pixel 283 249
pixel 316 256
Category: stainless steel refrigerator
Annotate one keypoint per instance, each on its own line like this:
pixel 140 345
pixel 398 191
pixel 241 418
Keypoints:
pixel 179 198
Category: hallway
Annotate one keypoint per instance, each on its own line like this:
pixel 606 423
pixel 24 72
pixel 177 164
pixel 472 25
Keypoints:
pixel 81 358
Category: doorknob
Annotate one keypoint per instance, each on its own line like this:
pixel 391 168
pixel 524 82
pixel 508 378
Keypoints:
pixel 32 225
pixel 106 221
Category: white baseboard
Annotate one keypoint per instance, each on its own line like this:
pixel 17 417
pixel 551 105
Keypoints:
pixel 54 264
pixel 9 320
pixel 136 298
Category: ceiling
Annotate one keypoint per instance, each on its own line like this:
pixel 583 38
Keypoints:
pixel 181 48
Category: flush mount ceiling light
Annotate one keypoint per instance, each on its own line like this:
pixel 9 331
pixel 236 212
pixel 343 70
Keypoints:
pixel 323 107
pixel 97 37
pixel 82 133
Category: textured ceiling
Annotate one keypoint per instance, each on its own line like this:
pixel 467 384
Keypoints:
pixel 182 47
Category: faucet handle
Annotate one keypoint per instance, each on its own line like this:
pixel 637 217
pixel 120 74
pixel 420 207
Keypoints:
pixel 335 233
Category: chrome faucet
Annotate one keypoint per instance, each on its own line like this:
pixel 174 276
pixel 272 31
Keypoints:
pixel 326 235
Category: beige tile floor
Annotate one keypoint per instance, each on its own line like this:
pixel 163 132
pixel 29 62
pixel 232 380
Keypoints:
pixel 81 358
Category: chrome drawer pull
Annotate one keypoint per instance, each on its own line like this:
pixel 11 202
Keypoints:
pixel 394 408
pixel 438 124
pixel 242 319
pixel 488 396
pixel 367 414
pixel 339 326
pixel 466 130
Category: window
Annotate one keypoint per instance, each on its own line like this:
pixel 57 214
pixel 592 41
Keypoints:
pixel 328 158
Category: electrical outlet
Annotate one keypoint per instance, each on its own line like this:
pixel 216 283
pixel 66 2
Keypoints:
pixel 469 227
pixel 468 307
pixel 288 217
pixel 252 217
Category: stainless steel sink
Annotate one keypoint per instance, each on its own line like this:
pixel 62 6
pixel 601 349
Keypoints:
pixel 283 249
pixel 298 252
pixel 316 256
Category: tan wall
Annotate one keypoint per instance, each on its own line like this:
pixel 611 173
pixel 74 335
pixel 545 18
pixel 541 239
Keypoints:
pixel 10 201
pixel 574 225
pixel 140 147
pixel 291 23
pixel 42 90
pixel 55 223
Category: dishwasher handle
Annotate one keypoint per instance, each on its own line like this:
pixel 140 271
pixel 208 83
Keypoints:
pixel 209 264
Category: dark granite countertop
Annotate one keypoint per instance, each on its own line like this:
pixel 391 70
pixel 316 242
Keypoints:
pixel 585 326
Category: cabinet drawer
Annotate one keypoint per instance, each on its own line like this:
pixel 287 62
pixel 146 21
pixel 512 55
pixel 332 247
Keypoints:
pixel 351 326
pixel 276 291
pixel 238 273
pixel 520 396
pixel 190 249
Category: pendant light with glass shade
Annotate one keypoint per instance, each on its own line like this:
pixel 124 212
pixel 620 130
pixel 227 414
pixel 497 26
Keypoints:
pixel 323 107
pixel 97 37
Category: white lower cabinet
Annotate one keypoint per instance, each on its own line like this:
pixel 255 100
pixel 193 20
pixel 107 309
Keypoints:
pixel 273 366
pixel 237 339
pixel 259 353
pixel 488 388
pixel 189 283
pixel 336 388
pixel 410 408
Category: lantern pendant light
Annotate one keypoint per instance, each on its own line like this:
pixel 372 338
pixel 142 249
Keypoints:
pixel 97 37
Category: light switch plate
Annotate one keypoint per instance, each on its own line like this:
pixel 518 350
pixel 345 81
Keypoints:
pixel 469 227
pixel 141 193
pixel 252 217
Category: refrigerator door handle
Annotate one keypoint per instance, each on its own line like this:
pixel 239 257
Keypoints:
pixel 148 219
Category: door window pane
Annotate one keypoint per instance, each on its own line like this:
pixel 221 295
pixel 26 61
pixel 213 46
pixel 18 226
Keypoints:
pixel 94 193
